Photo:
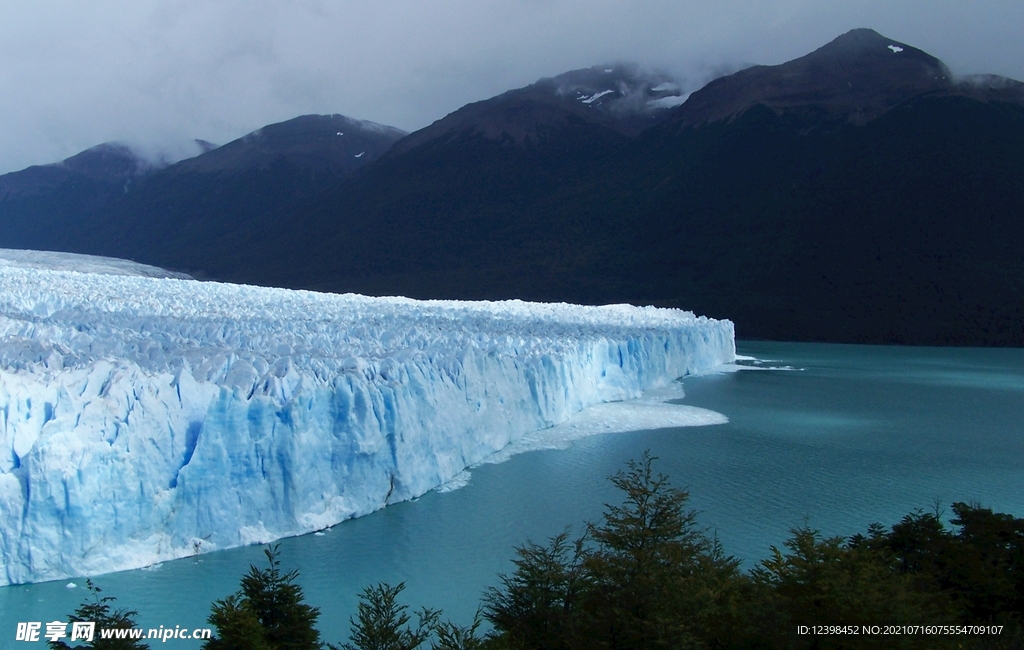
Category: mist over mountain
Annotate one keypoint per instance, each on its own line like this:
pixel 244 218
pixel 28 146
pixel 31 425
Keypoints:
pixel 859 194
pixel 109 199
pixel 41 205
pixel 219 205
pixel 852 80
pixel 622 98
pixel 105 164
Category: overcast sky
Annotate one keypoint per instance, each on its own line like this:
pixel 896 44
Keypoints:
pixel 157 73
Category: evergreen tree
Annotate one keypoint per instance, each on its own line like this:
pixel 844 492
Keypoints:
pixel 646 577
pixel 657 580
pixel 237 625
pixel 267 613
pixel 539 605
pixel 99 611
pixel 456 637
pixel 382 624
pixel 833 581
pixel 978 570
pixel 919 542
pixel 986 565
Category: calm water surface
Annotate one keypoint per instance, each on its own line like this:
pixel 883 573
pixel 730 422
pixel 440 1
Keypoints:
pixel 851 435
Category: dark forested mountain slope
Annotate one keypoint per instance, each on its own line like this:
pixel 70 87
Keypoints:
pixel 799 209
pixel 204 214
pixel 852 80
pixel 907 229
pixel 451 193
pixel 106 201
pixel 40 204
pixel 621 97
pixel 857 194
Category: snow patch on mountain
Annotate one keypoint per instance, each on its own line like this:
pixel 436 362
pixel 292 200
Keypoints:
pixel 596 96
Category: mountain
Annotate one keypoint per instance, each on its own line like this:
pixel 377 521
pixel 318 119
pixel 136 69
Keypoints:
pixel 888 211
pixel 37 201
pixel 860 193
pixel 107 201
pixel 621 98
pixel 320 144
pixel 204 215
pixel 451 210
pixel 106 164
pixel 852 80
pixel 777 196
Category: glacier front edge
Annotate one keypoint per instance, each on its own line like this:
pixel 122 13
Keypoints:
pixel 145 419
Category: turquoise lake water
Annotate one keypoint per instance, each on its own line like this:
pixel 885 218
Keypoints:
pixel 849 436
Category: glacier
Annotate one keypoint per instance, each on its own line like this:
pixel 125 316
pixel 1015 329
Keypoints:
pixel 149 418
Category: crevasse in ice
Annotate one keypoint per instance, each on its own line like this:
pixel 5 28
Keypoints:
pixel 143 419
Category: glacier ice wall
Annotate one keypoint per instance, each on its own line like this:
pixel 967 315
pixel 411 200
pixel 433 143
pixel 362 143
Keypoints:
pixel 144 419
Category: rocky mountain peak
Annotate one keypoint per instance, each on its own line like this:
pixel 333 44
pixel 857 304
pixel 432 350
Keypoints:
pixel 109 160
pixel 333 143
pixel 621 90
pixel 853 79
pixel 622 98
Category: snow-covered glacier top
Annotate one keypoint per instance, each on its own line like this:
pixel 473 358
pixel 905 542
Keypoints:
pixel 148 418
pixel 10 257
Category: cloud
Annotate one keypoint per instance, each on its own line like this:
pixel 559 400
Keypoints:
pixel 158 73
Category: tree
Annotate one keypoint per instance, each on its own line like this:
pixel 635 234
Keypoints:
pixel 657 579
pixel 834 581
pixel 99 611
pixel 538 605
pixel 456 637
pixel 238 626
pixel 986 564
pixel 645 577
pixel 919 542
pixel 979 569
pixel 382 624
pixel 267 613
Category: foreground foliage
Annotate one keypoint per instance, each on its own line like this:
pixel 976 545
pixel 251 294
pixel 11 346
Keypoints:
pixel 648 577
pixel 382 624
pixel 99 610
pixel 267 613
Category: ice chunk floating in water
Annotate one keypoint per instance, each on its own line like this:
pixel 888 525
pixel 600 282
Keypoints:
pixel 144 419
